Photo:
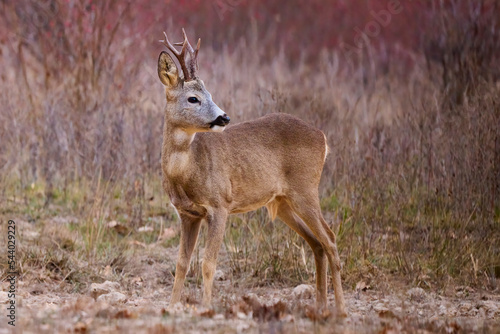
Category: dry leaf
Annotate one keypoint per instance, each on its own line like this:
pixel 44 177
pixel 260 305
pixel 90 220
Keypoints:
pixel 207 313
pixel 387 314
pixel 107 271
pixel 361 286
pixel 264 312
pixel 125 314
pixel 317 315
pixel 119 228
pixel 137 281
pixel 80 327
pixel 240 307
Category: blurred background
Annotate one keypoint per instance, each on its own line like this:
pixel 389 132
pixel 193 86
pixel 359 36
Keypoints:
pixel 407 92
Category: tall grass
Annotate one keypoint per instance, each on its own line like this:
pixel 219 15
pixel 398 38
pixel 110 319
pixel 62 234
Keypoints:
pixel 413 179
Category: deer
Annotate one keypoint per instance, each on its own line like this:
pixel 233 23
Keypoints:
pixel 211 170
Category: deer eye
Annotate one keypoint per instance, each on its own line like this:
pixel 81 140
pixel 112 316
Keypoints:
pixel 193 100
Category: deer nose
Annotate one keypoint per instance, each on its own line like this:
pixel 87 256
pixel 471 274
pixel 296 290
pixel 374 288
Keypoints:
pixel 221 120
pixel 225 118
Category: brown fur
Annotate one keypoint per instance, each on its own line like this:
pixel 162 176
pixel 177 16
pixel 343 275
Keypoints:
pixel 274 161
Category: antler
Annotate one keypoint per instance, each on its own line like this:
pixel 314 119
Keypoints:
pixel 191 67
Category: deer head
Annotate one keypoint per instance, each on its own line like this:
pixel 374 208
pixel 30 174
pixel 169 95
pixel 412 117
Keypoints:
pixel 189 104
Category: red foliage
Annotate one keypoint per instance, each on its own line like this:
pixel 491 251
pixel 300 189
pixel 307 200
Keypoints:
pixel 302 27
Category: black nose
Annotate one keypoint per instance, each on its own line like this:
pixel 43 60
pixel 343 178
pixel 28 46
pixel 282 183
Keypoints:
pixel 222 120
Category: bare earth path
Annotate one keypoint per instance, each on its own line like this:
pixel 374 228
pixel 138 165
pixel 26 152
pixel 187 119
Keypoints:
pixel 133 306
pixel 278 311
pixel 134 299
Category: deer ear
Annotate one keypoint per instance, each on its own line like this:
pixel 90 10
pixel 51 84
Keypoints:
pixel 167 70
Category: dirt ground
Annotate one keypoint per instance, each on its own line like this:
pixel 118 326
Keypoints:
pixel 277 311
pixel 137 303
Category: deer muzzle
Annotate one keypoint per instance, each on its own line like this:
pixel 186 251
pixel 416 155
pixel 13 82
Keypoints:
pixel 221 120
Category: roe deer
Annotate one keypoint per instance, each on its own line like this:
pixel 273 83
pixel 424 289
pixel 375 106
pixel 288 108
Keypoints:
pixel 274 161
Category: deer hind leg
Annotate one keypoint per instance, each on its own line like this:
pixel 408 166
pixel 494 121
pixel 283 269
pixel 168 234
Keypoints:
pixel 308 208
pixel 190 227
pixel 286 214
pixel 215 235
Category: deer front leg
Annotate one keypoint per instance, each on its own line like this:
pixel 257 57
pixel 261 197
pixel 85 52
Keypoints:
pixel 215 235
pixel 190 226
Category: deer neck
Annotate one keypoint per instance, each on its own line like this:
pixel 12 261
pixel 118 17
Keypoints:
pixel 177 154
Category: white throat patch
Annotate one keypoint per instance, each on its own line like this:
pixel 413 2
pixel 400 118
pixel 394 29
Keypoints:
pixel 181 137
pixel 217 128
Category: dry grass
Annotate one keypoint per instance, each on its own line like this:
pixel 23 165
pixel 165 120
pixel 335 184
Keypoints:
pixel 412 184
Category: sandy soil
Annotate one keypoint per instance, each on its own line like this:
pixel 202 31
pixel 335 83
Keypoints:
pixel 134 306
pixel 136 299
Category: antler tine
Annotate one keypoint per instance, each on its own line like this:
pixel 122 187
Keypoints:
pixel 193 64
pixel 181 56
pixel 193 53
pixel 195 56
pixel 189 69
pixel 170 46
pixel 190 48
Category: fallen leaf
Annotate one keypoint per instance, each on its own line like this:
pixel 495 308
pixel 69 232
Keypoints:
pixel 119 228
pixel 361 286
pixel 137 281
pixel 98 289
pixel 125 314
pixel 317 315
pixel 208 313
pixel 387 314
pixel 80 327
pixel 240 307
pixel 107 271
pixel 263 312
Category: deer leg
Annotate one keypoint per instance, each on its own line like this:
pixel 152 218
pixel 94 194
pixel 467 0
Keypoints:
pixel 190 227
pixel 286 214
pixel 334 260
pixel 309 210
pixel 215 235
